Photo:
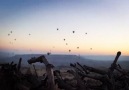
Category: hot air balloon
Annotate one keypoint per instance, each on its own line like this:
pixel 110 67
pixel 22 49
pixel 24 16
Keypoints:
pixel 69 50
pixel 48 53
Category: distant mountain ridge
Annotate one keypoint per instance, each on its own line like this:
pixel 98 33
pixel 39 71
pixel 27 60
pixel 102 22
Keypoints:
pixel 106 57
pixel 64 60
pixel 54 59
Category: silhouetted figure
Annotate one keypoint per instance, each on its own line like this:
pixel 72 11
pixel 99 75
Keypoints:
pixel 64 39
pixel 77 47
pixel 85 33
pixel 8 34
pixel 90 48
pixel 57 29
pixel 15 39
pixel 29 34
pixel 73 31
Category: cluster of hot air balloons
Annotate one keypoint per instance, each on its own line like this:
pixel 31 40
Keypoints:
pixel 14 38
pixel 67 43
pixel 12 42
pixel 10 33
pixel 48 53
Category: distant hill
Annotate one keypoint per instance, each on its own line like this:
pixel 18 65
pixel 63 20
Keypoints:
pixel 64 60
pixel 5 54
pixel 54 59
pixel 106 57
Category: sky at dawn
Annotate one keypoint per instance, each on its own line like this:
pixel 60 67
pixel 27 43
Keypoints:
pixel 85 27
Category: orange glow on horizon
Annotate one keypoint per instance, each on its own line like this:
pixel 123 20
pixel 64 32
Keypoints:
pixel 60 50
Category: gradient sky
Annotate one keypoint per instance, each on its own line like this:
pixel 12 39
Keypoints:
pixel 106 23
